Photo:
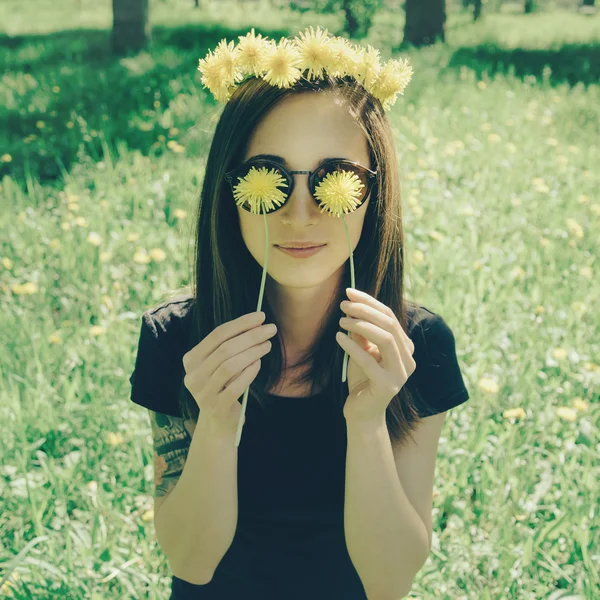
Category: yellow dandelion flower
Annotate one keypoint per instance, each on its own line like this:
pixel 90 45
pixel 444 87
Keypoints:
pixel 393 78
pixel 486 384
pixel 367 67
pixel 55 338
pixel 559 353
pixel 133 237
pixel 65 226
pixel 281 64
pixel 7 263
pixel 514 413
pixel 339 192
pixel 80 221
pixel 106 301
pixel 344 57
pixel 260 185
pixel 148 516
pixel 580 404
pixel 586 272
pixel 315 51
pixel 95 239
pixel 105 256
pixel 220 71
pixel 575 228
pixel 179 213
pixel 114 439
pixel 157 254
pixel 141 257
pixel 97 330
pixel 566 413
pixel 6 158
pixel 252 50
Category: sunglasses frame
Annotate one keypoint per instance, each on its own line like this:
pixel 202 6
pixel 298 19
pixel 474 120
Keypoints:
pixel 289 176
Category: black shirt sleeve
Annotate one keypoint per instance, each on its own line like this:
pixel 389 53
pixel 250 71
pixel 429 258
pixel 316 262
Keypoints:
pixel 154 381
pixel 437 383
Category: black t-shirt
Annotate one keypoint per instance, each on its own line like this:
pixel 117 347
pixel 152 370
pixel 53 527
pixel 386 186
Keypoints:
pixel 290 540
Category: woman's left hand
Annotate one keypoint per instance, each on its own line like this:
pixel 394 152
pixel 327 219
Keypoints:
pixel 380 356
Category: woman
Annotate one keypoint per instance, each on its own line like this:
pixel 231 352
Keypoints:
pixel 309 506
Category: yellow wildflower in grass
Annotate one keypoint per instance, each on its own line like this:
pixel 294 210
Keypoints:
pixel 314 50
pixel 583 199
pixel 95 239
pixel 494 138
pixel 418 257
pixel 579 404
pixel 80 221
pixel 65 226
pixel 575 228
pixel 40 124
pixel 517 273
pixel 578 307
pixel 55 338
pixel 559 353
pixel 488 385
pixel 281 64
pixel 338 193
pixel 260 186
pixel 24 289
pixel 157 254
pixel 104 204
pixel 566 413
pixel 54 244
pixel 141 257
pixel 105 256
pixel 106 301
pixel 481 85
pixel 97 330
pixel 6 158
pixel 586 272
pixel 179 213
pixel 514 413
pixel 114 439
pixel 436 235
pixel 133 237
pixel 545 242
pixel 148 516
pixel 7 263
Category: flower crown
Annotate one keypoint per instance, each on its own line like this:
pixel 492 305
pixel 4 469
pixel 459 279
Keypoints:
pixel 314 51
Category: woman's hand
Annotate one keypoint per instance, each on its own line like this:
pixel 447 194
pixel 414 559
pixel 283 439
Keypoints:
pixel 380 356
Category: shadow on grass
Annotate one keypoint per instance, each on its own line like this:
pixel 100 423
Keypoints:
pixel 77 88
pixel 571 63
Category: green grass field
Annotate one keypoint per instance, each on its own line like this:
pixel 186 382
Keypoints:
pixel 101 163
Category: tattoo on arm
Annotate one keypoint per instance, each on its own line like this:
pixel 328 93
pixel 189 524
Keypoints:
pixel 172 441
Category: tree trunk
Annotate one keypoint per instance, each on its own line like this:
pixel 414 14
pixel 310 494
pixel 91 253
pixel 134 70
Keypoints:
pixel 588 3
pixel 528 6
pixel 476 9
pixel 424 22
pixel 131 26
pixel 352 25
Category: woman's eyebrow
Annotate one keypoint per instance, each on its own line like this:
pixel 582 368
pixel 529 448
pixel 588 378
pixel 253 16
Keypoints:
pixel 282 161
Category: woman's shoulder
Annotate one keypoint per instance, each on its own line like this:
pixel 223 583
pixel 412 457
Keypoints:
pixel 170 321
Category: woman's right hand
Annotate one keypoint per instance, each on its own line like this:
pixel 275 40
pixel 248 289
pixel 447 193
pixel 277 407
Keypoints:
pixel 221 367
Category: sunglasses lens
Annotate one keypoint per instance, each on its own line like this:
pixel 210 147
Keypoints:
pixel 273 169
pixel 333 167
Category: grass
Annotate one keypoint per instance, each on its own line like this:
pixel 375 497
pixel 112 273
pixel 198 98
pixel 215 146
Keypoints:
pixel 101 164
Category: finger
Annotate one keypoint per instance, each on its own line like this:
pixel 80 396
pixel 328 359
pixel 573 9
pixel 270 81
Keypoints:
pixel 364 360
pixel 383 339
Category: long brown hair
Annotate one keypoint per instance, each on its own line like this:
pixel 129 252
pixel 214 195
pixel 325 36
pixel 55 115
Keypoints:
pixel 227 277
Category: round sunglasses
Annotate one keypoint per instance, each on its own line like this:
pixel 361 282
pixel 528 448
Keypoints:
pixel 366 176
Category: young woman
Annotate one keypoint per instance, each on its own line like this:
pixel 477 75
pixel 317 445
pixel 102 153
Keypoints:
pixel 325 498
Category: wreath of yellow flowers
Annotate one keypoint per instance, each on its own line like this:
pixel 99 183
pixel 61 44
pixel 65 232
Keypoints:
pixel 311 54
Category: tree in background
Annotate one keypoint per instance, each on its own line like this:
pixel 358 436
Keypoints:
pixel 528 6
pixel 359 16
pixel 131 26
pixel 424 22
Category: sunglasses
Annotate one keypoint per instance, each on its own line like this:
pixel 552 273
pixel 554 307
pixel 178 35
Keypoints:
pixel 366 176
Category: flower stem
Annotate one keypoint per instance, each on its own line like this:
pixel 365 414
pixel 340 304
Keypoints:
pixel 238 434
pixel 353 285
